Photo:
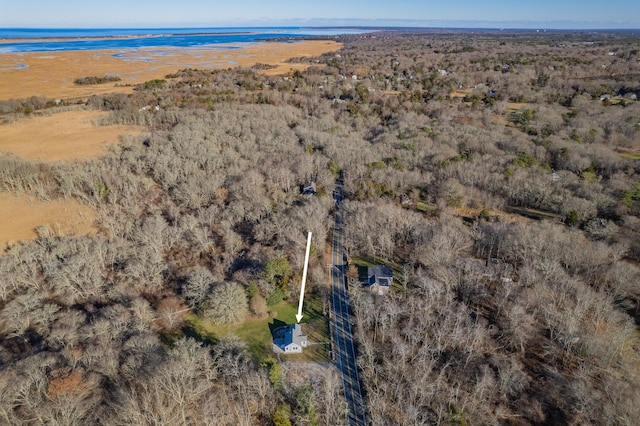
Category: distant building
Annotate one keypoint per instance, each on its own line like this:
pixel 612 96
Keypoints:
pixel 308 188
pixel 379 278
pixel 289 339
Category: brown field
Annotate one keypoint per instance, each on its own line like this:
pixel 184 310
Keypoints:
pixel 64 136
pixel 20 216
pixel 51 74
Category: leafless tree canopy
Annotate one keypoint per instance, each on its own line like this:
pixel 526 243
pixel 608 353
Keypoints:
pixel 499 174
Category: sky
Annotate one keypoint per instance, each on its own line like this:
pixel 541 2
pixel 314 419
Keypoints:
pixel 421 13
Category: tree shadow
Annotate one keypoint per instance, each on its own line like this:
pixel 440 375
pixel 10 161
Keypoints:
pixel 242 262
pixel 276 325
pixel 207 339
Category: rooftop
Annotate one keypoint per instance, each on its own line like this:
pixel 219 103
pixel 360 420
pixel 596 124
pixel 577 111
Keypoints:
pixel 381 275
pixel 289 339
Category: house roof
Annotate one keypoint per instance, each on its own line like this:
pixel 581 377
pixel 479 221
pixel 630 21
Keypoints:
pixel 309 188
pixel 288 334
pixel 381 275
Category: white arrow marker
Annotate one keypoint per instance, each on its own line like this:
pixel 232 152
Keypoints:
pixel 304 278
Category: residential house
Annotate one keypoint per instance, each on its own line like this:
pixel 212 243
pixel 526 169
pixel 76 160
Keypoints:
pixel 379 278
pixel 308 188
pixel 289 339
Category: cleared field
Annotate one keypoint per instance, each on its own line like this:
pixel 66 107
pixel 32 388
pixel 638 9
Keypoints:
pixel 65 136
pixel 256 332
pixel 20 216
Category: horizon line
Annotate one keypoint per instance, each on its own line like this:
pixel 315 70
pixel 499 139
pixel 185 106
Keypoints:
pixel 353 27
pixel 356 23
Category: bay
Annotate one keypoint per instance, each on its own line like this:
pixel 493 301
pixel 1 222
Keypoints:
pixel 51 40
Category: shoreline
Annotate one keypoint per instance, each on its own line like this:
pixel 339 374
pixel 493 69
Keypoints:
pixel 9 40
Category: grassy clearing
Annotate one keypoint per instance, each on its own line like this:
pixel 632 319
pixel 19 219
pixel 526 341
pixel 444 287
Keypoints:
pixel 460 93
pixel 365 261
pixel 316 326
pixel 426 208
pixel 515 106
pixel 256 332
pixel 631 156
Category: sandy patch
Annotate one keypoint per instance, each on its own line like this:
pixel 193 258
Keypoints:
pixel 64 136
pixel 515 106
pixel 460 93
pixel 20 216
pixel 51 74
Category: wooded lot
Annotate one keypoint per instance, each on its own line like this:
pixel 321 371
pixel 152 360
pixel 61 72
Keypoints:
pixel 498 174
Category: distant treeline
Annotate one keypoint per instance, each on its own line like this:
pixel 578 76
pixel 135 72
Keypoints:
pixel 261 66
pixel 96 79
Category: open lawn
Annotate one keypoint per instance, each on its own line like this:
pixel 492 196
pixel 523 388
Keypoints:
pixel 256 332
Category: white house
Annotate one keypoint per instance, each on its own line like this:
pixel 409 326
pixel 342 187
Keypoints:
pixel 289 339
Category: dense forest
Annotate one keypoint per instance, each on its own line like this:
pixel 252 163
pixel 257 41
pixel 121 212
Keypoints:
pixel 497 173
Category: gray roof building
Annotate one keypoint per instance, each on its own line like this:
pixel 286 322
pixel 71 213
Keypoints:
pixel 308 188
pixel 379 278
pixel 289 339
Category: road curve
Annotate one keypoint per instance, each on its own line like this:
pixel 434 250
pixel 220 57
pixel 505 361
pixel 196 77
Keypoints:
pixel 344 351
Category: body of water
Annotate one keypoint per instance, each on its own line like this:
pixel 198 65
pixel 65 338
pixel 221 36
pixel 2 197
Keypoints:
pixel 49 40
